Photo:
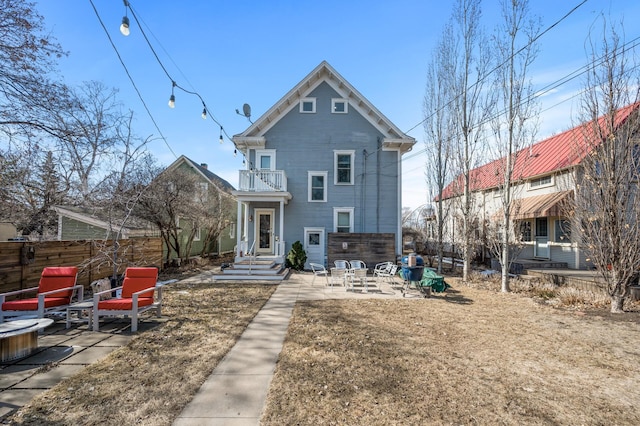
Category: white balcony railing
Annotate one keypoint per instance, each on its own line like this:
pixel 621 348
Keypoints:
pixel 263 180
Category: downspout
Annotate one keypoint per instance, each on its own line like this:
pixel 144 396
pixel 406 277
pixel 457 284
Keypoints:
pixel 363 208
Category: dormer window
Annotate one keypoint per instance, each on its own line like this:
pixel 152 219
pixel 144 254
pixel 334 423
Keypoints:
pixel 339 106
pixel 308 106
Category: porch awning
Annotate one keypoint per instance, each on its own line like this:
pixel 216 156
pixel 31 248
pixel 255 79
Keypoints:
pixel 540 205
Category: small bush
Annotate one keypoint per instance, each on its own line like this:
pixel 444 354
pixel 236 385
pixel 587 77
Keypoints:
pixel 296 257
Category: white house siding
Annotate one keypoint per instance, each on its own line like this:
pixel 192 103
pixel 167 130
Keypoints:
pixel 488 205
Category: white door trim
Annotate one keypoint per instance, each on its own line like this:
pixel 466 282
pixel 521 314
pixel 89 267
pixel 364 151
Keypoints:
pixel 257 214
pixel 320 258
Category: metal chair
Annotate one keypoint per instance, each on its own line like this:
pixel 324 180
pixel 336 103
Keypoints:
pixel 319 271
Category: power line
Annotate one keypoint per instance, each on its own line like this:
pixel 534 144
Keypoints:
pixel 497 67
pixel 131 79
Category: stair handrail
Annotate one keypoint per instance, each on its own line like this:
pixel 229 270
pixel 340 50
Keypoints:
pixel 251 255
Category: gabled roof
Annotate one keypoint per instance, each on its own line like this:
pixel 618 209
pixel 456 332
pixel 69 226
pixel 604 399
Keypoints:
pixel 394 138
pixel 557 153
pixel 204 172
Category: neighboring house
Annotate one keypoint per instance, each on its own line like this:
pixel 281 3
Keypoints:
pixel 207 181
pixel 79 223
pixel 543 182
pixel 322 159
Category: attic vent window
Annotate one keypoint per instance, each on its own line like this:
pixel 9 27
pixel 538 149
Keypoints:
pixel 308 106
pixel 339 106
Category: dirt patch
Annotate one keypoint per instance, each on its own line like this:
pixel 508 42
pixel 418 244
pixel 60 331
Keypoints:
pixel 472 356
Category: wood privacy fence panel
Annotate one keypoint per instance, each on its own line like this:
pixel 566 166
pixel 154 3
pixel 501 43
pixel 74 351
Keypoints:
pixel 21 263
pixel 368 247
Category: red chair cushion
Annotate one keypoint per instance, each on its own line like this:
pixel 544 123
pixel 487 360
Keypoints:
pixel 32 304
pixel 137 279
pixel 124 304
pixel 54 278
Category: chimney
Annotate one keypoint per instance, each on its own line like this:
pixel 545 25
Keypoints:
pixel 204 166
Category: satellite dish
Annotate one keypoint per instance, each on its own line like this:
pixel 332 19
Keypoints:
pixel 246 109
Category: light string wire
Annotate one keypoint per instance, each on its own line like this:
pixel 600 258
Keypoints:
pixel 133 83
pixel 173 81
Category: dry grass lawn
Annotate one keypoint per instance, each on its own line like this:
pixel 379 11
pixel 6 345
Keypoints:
pixel 472 357
pixel 150 381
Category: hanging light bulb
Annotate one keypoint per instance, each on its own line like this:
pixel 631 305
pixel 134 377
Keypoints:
pixel 124 27
pixel 235 153
pixel 244 162
pixel 172 99
pixel 204 113
pixel 221 139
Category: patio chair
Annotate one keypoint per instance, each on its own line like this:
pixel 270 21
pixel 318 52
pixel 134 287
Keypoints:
pixel 319 271
pixel 138 295
pixel 55 290
pixel 385 271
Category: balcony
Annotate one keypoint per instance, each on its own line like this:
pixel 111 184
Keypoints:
pixel 262 181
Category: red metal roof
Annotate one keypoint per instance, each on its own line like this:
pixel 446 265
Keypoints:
pixel 559 152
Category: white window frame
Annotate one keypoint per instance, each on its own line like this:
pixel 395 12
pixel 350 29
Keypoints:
pixel 335 101
pixel 337 210
pixel 203 194
pixel 232 230
pixel 351 153
pixel 198 234
pixel 313 105
pixel 266 153
pixel 535 183
pixel 310 175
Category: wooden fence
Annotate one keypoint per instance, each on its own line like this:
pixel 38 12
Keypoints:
pixel 370 248
pixel 21 263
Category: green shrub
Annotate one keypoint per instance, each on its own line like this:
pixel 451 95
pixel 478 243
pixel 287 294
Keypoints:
pixel 296 257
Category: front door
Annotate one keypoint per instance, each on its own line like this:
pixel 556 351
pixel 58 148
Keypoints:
pixel 314 246
pixel 264 231
pixel 541 248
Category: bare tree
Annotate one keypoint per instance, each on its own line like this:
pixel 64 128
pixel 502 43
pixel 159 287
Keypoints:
pixel 28 54
pixel 473 104
pixel 513 126
pixel 606 209
pixel 439 128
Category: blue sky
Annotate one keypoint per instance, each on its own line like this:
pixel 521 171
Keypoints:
pixel 236 52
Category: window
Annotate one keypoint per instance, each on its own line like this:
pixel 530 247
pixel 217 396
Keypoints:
pixel 266 159
pixel 197 233
pixel 563 231
pixel 317 191
pixel 540 182
pixel 525 230
pixel 339 106
pixel 343 167
pixel 343 219
pixel 232 230
pixel 202 194
pixel 308 105
pixel 542 227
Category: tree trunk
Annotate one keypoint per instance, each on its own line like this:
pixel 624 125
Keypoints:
pixel 505 268
pixel 617 302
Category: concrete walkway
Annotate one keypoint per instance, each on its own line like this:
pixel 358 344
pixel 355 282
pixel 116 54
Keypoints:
pixel 235 393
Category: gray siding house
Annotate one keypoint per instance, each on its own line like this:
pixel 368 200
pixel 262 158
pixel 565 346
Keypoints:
pixel 322 159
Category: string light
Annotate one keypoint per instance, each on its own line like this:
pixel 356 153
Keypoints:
pixel 172 99
pixel 124 27
pixel 174 85
pixel 235 153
